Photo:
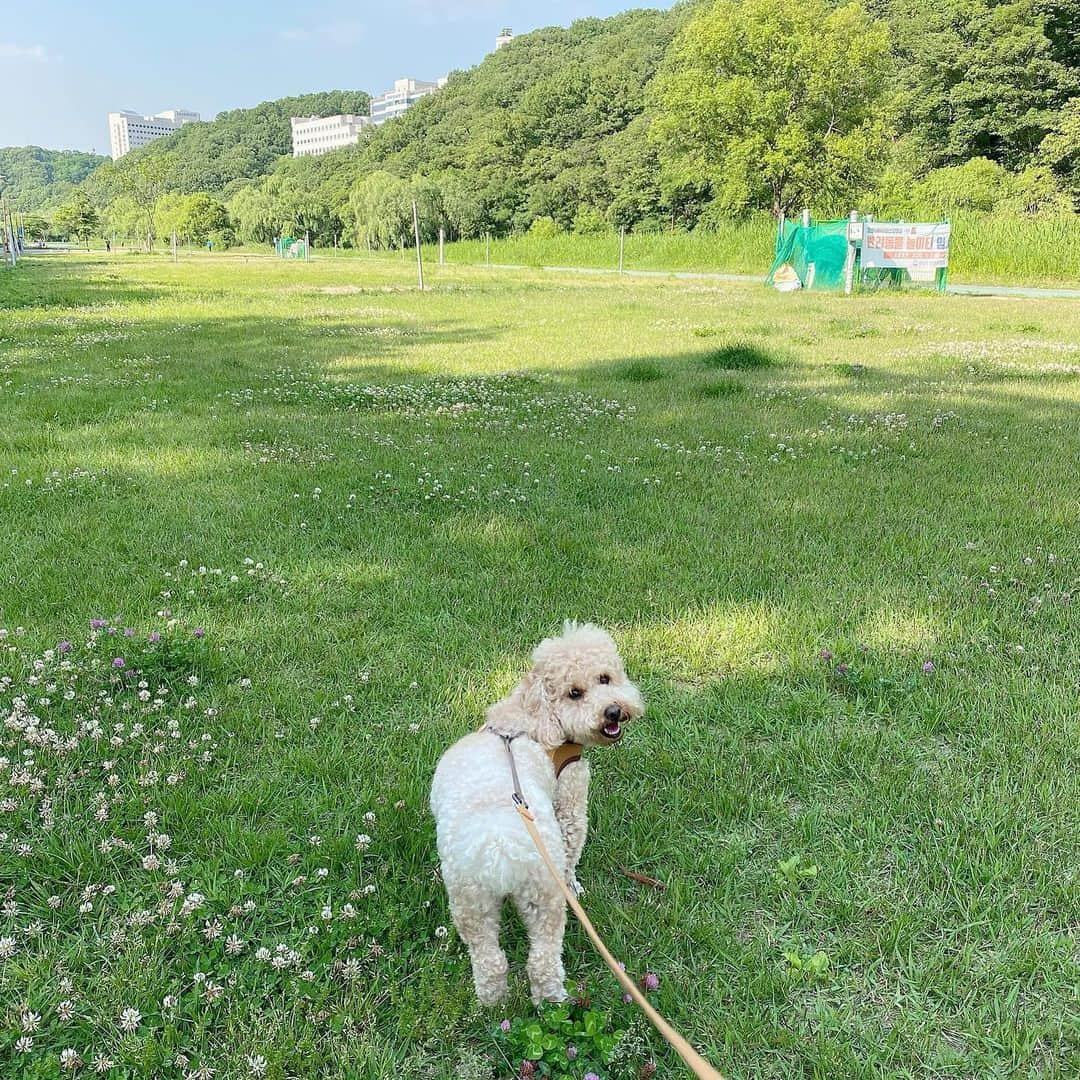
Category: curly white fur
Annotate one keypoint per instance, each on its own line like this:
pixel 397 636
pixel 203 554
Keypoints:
pixel 576 685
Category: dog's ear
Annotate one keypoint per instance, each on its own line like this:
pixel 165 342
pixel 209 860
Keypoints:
pixel 544 725
pixel 527 711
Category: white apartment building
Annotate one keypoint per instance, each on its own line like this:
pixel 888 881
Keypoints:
pixel 319 134
pixel 506 35
pixel 129 130
pixel 396 102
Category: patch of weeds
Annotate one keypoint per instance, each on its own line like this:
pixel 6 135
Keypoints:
pixel 846 328
pixel 706 331
pixel 739 356
pixel 576 1038
pixel 791 873
pixel 641 371
pixel 812 968
pixel 720 388
pixel 853 371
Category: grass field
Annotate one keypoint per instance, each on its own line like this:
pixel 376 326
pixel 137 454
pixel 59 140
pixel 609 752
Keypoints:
pixel 986 249
pixel 320 519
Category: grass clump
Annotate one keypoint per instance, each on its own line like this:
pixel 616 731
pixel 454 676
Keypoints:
pixel 641 371
pixel 739 356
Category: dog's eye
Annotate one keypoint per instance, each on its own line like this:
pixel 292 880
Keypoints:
pixel 604 680
pixel 575 693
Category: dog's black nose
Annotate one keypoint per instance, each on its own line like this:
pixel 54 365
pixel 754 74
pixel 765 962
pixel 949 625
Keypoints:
pixel 613 714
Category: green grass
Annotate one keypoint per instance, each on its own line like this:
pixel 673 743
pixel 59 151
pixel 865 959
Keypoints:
pixel 425 485
pixel 986 249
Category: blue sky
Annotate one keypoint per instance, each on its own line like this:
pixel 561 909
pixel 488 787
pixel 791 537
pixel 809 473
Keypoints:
pixel 64 66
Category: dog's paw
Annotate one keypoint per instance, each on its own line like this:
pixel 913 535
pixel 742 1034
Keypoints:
pixel 541 994
pixel 492 994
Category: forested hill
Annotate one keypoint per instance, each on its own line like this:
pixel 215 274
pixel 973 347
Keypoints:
pixel 34 177
pixel 681 118
pixel 239 145
pixel 553 121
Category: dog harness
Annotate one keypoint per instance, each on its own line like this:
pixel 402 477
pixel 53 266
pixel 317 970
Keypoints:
pixel 560 756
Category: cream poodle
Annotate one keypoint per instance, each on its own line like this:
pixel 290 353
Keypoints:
pixel 576 695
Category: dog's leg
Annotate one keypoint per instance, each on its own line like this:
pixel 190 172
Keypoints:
pixel 476 915
pixel 543 912
pixel 572 812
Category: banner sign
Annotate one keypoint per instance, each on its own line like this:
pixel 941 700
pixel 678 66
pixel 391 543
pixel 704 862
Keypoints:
pixel 920 249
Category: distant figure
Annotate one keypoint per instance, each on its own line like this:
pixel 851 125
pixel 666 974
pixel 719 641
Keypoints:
pixel 209 245
pixel 108 246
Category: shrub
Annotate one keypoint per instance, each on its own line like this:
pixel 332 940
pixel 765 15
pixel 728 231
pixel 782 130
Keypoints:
pixel 544 228
pixel 590 222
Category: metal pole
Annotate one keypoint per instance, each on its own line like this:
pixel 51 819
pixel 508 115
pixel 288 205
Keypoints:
pixel 307 243
pixel 442 241
pixel 174 246
pixel 849 261
pixel 622 241
pixel 419 255
pixel 487 248
pixel 806 218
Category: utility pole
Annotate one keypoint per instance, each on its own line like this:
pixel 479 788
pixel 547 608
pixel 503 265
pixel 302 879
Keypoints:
pixel 622 241
pixel 307 243
pixel 174 246
pixel 487 248
pixel 419 254
pixel 442 241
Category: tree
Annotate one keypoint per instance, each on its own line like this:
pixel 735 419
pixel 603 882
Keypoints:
pixel 382 209
pixel 143 183
pixel 980 78
pixel 252 211
pixel 192 217
pixel 1060 150
pixel 36 227
pixel 774 103
pixel 77 218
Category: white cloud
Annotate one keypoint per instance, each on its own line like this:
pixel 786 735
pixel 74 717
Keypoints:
pixel 10 51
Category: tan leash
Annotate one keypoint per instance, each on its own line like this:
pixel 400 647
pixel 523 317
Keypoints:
pixel 694 1061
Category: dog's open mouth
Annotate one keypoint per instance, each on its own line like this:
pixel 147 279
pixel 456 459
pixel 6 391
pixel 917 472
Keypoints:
pixel 612 731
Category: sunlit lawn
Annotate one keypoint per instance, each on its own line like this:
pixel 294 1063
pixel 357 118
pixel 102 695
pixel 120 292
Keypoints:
pixel 835 538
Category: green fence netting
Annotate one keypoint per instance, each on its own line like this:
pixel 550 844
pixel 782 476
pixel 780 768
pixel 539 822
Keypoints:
pixel 812 256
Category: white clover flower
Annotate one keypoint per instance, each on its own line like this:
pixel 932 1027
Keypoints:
pixel 130 1020
pixel 69 1059
pixel 24 1044
pixel 363 842
pixel 441 931
pixel 30 1021
pixel 257 1064
pixel 151 862
pixel 7 947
